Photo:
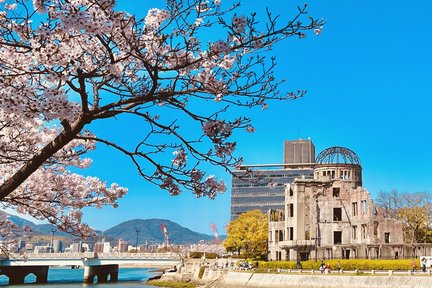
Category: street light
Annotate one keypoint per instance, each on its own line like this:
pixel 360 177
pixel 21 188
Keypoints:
pixel 137 230
pixel 53 230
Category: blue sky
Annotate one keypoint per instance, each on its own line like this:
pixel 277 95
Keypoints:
pixel 368 77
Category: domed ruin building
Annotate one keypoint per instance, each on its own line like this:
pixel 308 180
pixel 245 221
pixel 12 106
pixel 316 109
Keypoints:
pixel 333 216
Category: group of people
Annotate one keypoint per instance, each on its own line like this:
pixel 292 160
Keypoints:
pixel 323 266
pixel 326 266
pixel 422 265
pixel 223 264
pixel 245 265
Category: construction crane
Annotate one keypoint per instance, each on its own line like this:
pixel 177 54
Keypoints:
pixel 215 233
pixel 165 234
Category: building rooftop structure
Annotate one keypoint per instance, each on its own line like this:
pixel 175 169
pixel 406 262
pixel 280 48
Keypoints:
pixel 299 151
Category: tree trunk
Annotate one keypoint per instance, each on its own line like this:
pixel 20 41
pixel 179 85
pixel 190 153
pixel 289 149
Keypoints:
pixel 48 151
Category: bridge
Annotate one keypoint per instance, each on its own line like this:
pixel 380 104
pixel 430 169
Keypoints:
pixel 104 266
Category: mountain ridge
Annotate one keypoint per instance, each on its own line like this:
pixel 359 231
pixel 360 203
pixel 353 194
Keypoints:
pixel 149 231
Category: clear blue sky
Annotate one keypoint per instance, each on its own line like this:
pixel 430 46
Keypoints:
pixel 368 77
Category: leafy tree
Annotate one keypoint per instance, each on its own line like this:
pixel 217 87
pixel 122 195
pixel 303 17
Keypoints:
pixel 416 223
pixel 413 209
pixel 248 233
pixel 66 64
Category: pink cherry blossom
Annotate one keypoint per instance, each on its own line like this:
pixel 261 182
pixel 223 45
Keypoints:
pixel 239 23
pixel 69 64
pixel 220 47
pixel 180 158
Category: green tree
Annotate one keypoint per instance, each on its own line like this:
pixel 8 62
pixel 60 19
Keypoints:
pixel 248 234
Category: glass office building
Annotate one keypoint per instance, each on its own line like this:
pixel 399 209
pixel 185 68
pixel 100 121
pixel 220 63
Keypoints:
pixel 262 186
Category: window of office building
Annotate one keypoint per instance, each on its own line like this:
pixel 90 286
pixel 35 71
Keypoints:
pixel 337 237
pixel 337 214
pixel 376 225
pixel 363 231
pixel 291 192
pixel 336 191
pixel 291 233
pixel 345 174
pixel 330 173
pixel 354 209
pixel 386 237
pixel 363 207
pixel 354 232
pixel 290 210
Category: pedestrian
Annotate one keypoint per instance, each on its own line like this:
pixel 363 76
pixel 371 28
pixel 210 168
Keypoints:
pixel 338 266
pixel 299 265
pixel 423 264
pixel 328 267
pixel 413 266
pixel 322 267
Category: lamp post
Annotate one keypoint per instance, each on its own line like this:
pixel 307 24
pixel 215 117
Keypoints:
pixel 137 230
pixel 317 231
pixel 53 230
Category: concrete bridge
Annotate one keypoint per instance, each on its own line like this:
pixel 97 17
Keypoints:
pixel 104 266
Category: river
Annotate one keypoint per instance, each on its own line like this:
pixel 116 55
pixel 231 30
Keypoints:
pixel 72 278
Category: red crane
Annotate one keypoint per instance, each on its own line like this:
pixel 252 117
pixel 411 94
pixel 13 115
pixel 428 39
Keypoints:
pixel 165 234
pixel 215 233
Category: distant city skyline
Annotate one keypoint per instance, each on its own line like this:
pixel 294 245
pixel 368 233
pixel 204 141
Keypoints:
pixel 367 76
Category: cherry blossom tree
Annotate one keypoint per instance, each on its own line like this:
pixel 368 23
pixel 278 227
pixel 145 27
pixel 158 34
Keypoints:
pixel 68 63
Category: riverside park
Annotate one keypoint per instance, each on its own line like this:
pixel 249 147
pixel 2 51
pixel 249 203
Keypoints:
pixel 215 143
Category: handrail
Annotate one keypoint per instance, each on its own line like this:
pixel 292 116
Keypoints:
pixel 82 255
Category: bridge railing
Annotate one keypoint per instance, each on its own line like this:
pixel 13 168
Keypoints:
pixel 77 255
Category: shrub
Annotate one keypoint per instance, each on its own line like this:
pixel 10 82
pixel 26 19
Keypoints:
pixel 171 284
pixel 346 264
pixel 201 254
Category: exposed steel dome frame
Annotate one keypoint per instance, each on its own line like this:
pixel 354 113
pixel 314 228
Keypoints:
pixel 338 155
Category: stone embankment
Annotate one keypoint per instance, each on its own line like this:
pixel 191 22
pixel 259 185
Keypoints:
pixel 220 278
pixel 239 279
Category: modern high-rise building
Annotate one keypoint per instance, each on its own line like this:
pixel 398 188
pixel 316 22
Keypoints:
pixel 299 151
pixel 262 186
pixel 122 246
pixel 102 247
pixel 57 246
pixel 77 247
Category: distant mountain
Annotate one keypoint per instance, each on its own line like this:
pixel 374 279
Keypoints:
pixel 44 229
pixel 20 221
pixel 150 231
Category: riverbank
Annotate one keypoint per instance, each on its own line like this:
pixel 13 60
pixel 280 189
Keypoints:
pixel 223 278
pixel 258 280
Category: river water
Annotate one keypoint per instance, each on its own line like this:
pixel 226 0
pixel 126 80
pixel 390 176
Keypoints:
pixel 72 278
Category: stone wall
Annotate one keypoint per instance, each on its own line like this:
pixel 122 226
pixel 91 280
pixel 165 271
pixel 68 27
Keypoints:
pixel 254 280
